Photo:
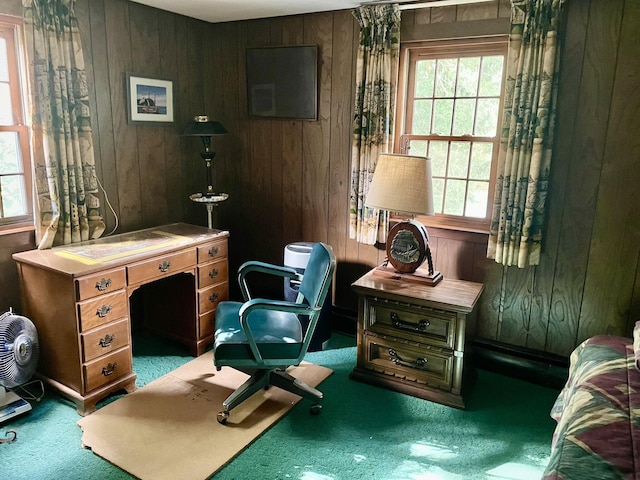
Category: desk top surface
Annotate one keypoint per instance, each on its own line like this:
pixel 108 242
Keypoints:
pixel 122 249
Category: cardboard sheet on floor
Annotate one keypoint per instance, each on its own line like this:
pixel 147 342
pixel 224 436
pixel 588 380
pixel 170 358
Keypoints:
pixel 168 428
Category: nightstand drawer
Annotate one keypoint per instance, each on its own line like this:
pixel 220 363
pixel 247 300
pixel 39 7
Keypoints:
pixel 107 369
pixel 212 273
pixel 102 310
pixel 161 266
pixel 105 340
pixel 409 361
pixel 416 323
pixel 212 251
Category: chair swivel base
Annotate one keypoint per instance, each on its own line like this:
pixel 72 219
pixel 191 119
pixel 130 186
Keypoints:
pixel 260 379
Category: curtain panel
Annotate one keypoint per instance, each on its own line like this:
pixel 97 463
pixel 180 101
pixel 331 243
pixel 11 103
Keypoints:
pixel 524 161
pixel 67 203
pixel 376 82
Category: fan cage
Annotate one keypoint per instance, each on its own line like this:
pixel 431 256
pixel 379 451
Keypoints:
pixel 19 350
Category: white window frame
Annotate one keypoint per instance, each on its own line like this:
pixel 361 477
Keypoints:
pixel 447 49
pixel 11 30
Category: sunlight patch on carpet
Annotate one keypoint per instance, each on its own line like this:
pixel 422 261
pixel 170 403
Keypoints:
pixel 515 471
pixel 432 451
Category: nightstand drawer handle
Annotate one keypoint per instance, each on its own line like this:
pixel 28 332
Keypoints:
pixel 419 364
pixel 103 284
pixel 107 340
pixel 104 310
pixel 109 369
pixel 164 266
pixel 213 297
pixel 213 273
pixel 213 251
pixel 421 326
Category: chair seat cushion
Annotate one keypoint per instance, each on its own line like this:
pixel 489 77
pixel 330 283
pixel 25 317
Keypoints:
pixel 278 334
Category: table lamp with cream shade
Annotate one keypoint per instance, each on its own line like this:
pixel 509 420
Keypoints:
pixel 402 183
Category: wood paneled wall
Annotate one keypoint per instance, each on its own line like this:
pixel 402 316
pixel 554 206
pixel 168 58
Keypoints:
pixel 288 180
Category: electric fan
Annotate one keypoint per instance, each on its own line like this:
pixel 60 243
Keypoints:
pixel 19 352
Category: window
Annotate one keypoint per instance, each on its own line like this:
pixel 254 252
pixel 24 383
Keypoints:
pixel 450 105
pixel 15 171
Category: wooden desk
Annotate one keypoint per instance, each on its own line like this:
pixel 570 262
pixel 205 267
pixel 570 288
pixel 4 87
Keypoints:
pixel 411 337
pixel 81 299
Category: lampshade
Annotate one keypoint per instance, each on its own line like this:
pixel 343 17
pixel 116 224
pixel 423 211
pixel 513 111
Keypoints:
pixel 202 127
pixel 402 183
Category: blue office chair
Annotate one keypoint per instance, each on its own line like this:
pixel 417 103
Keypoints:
pixel 262 337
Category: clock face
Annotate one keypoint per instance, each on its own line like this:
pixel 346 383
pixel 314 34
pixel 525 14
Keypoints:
pixel 407 246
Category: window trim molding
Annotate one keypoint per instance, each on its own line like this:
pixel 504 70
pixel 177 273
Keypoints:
pixel 443 47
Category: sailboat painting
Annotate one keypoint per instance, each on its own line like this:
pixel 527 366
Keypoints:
pixel 150 100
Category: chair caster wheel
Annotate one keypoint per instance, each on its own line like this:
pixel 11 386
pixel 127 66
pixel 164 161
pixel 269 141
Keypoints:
pixel 315 409
pixel 223 417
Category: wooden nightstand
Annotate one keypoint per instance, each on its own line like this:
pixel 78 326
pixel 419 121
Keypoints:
pixel 411 337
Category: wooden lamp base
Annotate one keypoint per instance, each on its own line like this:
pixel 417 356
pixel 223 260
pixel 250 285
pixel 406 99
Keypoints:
pixel 421 275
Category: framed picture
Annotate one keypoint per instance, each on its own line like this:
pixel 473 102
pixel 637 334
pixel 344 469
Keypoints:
pixel 149 100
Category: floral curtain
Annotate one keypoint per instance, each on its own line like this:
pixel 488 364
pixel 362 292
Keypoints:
pixel 376 81
pixel 67 205
pixel 526 140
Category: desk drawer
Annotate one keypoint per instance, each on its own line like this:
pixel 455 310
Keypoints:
pixel 206 324
pixel 209 297
pixel 107 369
pixel 420 324
pixel 102 310
pixel 100 283
pixel 214 272
pixel 162 266
pixel 212 251
pixel 411 362
pixel 105 340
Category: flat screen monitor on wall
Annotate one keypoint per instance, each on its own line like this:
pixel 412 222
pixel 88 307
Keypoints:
pixel 282 82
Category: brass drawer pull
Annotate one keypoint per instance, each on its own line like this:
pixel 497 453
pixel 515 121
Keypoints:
pixel 213 297
pixel 109 369
pixel 164 266
pixel 213 273
pixel 419 364
pixel 104 310
pixel 107 340
pixel 213 251
pixel 103 284
pixel 421 326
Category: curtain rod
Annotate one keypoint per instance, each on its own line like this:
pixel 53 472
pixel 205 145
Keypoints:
pixel 425 4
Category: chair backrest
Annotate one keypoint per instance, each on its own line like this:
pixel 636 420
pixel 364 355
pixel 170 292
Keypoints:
pixel 318 275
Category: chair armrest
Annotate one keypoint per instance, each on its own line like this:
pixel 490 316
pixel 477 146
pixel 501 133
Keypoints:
pixel 268 304
pixel 262 267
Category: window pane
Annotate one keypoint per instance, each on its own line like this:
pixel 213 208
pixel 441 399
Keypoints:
pixel 421 117
pixel 477 199
pixel 463 116
pixel 487 117
pixel 468 74
pixel 4 64
pixel 446 77
pixel 418 147
pixel 425 75
pixel 442 117
pixel 454 200
pixel 491 76
pixel 6 118
pixel 481 155
pixel 438 153
pixel 13 196
pixel 459 159
pixel 438 194
pixel 9 153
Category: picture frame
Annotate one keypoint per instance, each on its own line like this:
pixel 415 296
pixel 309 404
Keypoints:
pixel 149 100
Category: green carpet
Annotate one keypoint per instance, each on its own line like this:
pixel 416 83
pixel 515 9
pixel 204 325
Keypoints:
pixel 364 432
